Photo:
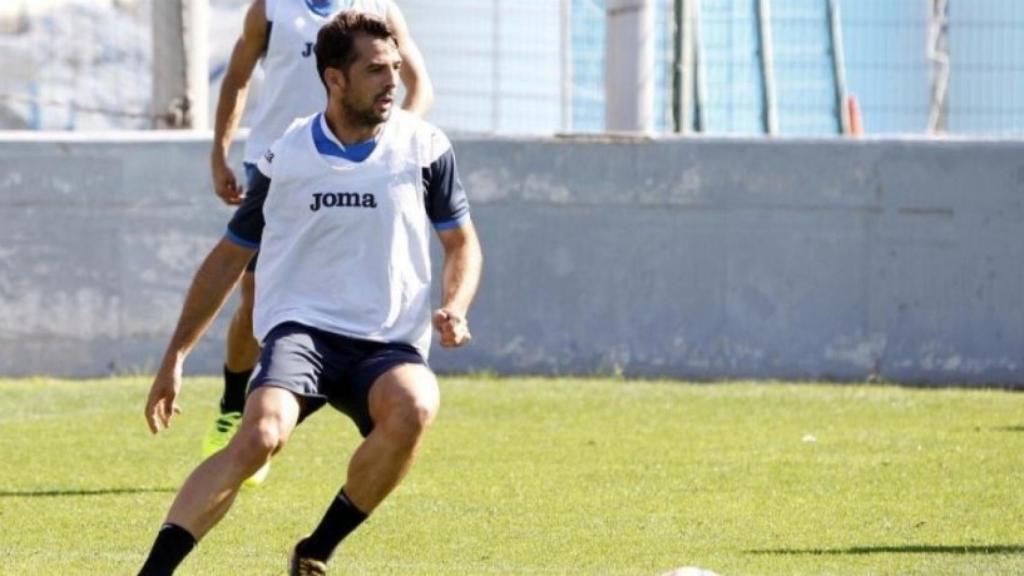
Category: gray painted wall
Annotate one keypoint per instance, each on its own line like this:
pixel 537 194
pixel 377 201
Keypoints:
pixel 704 258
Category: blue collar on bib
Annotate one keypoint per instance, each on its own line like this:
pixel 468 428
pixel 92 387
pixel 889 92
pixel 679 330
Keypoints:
pixel 321 7
pixel 327 145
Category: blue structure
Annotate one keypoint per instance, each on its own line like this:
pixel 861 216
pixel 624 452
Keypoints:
pixel 804 70
pixel 884 49
pixel 729 53
pixel 887 66
pixel 986 46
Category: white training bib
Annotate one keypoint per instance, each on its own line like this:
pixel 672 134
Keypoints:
pixel 345 246
pixel 292 87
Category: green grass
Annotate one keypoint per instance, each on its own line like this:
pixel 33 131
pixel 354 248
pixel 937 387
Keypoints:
pixel 547 476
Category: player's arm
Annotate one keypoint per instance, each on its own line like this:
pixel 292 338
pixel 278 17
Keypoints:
pixel 419 91
pixel 211 286
pixel 448 210
pixel 231 103
pixel 463 263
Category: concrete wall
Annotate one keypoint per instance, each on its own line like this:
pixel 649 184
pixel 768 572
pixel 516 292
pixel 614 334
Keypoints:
pixel 902 260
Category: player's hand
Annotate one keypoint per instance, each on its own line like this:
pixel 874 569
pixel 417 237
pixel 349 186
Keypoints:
pixel 454 328
pixel 162 404
pixel 224 183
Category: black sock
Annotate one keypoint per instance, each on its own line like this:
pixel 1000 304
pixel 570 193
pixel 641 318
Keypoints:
pixel 235 384
pixel 341 519
pixel 172 544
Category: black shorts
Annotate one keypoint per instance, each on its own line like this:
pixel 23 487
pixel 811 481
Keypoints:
pixel 326 368
pixel 250 175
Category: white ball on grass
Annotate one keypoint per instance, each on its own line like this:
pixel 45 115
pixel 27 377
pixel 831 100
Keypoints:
pixel 690 571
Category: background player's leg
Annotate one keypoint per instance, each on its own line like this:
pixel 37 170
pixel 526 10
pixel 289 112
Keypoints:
pixel 242 350
pixel 241 356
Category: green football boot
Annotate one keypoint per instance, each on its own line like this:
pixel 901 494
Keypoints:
pixel 218 436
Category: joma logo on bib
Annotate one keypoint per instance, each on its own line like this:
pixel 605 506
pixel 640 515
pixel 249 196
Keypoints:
pixel 342 200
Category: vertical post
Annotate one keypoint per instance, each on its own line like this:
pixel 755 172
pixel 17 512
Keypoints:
pixel 180 67
pixel 566 64
pixel 683 73
pixel 198 51
pixel 496 66
pixel 938 52
pixel 677 66
pixel 629 66
pixel 35 116
pixel 699 83
pixel 769 106
pixel 835 27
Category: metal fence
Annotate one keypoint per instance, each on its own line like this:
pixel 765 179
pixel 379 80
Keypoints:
pixel 903 66
pixel 785 67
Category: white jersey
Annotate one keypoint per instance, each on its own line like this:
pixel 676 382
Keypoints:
pixel 292 87
pixel 344 246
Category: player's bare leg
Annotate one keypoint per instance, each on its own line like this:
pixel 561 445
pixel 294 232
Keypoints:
pixel 403 403
pixel 271 415
pixel 242 350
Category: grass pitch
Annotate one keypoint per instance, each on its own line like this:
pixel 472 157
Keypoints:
pixel 547 476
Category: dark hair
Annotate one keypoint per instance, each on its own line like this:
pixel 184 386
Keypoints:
pixel 335 43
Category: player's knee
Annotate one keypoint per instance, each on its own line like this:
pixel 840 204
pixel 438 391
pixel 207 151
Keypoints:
pixel 411 418
pixel 259 441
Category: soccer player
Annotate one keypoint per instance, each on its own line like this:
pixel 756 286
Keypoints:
pixel 281 33
pixel 341 211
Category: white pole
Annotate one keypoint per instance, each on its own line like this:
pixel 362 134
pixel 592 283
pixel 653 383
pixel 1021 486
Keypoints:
pixel 198 50
pixel 938 53
pixel 687 74
pixel 180 64
pixel 629 66
pixel 496 66
pixel 566 64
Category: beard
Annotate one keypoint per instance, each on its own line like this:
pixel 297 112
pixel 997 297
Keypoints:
pixel 364 116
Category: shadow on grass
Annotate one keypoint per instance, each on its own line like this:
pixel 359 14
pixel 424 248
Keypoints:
pixel 57 493
pixel 910 549
pixel 1009 429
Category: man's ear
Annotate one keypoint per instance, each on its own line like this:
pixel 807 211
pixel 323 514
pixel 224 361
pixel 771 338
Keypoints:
pixel 335 79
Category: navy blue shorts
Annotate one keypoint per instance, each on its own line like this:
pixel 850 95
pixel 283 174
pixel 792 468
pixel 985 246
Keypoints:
pixel 326 368
pixel 250 175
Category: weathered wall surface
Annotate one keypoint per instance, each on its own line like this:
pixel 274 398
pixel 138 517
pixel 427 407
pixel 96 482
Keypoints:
pixel 703 258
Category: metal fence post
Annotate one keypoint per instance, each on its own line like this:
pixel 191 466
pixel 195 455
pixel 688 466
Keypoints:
pixel 838 66
pixel 938 53
pixel 682 70
pixel 566 64
pixel 769 105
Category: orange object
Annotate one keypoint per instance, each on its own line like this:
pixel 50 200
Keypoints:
pixel 856 122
